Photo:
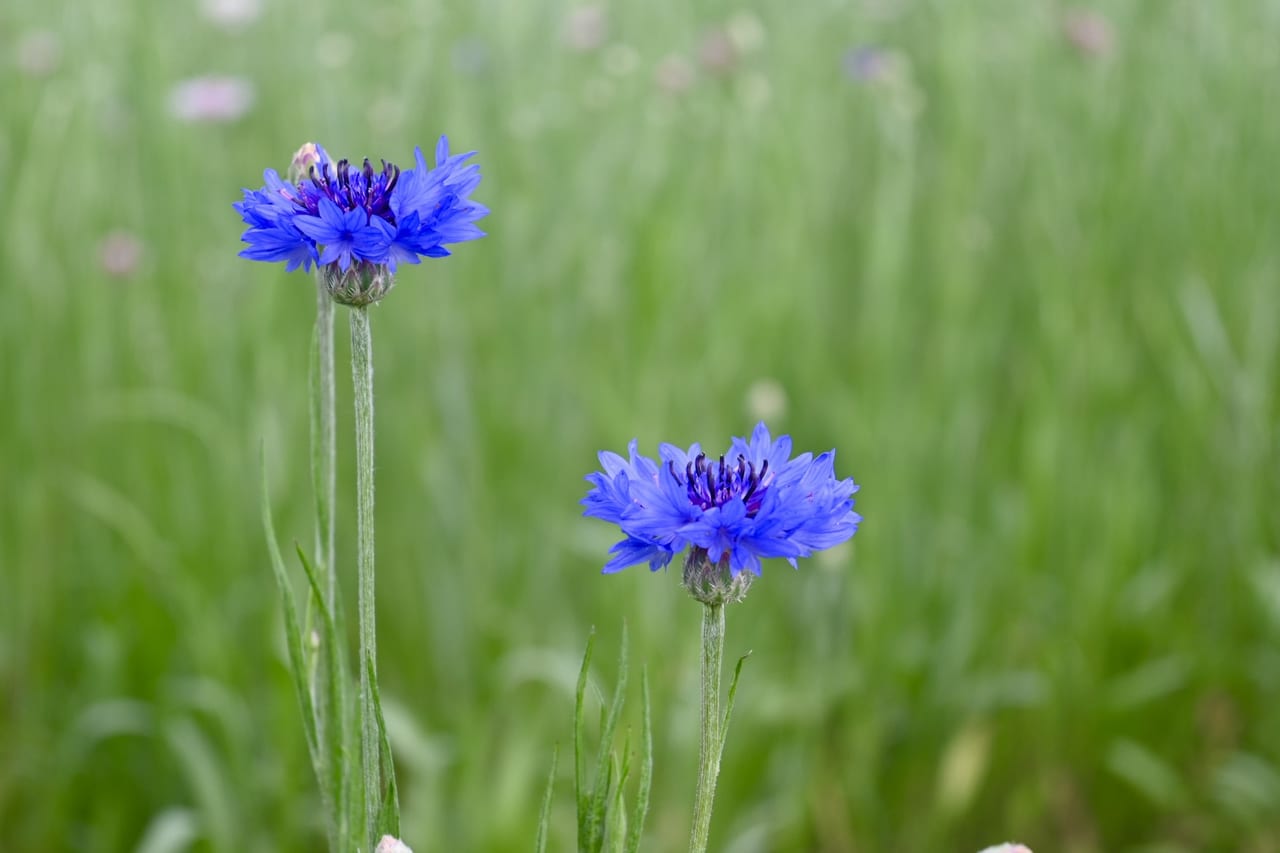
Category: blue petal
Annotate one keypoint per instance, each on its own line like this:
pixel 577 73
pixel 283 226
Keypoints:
pixel 632 551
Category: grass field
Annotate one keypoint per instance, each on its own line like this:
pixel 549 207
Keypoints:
pixel 1029 290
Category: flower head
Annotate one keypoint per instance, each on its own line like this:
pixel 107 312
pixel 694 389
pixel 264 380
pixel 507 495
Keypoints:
pixel 752 502
pixel 358 223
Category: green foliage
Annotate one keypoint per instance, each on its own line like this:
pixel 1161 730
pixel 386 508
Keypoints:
pixel 298 666
pixel 389 809
pixel 321 701
pixel 636 826
pixel 1030 297
pixel 333 726
pixel 544 814
pixel 728 705
pixel 601 798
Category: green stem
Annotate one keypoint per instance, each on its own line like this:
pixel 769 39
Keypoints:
pixel 710 743
pixel 329 699
pixel 324 443
pixel 362 380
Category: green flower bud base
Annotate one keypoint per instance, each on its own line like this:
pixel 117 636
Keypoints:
pixel 359 285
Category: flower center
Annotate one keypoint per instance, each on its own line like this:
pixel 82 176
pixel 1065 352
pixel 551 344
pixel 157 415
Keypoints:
pixel 349 188
pixel 715 483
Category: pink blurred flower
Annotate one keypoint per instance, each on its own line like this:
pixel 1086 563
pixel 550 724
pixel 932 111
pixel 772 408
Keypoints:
pixel 1089 32
pixel 717 53
pixel 1008 848
pixel 211 99
pixel 119 254
pixel 391 844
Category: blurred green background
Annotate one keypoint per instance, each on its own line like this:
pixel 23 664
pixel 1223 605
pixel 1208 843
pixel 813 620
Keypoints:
pixel 1017 262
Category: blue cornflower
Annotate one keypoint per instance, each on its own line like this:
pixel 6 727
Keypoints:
pixel 753 502
pixel 358 223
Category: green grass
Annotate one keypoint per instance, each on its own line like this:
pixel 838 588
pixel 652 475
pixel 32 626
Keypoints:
pixel 1033 300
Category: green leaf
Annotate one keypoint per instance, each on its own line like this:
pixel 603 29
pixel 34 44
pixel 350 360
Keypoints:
pixel 292 631
pixel 209 784
pixel 728 705
pixel 604 782
pixel 646 771
pixel 600 790
pixel 389 813
pixel 625 771
pixel 617 821
pixel 544 816
pixel 332 728
pixel 580 790
pixel 1149 773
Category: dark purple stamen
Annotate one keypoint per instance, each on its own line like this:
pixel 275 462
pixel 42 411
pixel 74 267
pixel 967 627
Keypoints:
pixel 715 484
pixel 350 189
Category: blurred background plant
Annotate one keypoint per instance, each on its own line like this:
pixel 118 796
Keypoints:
pixel 1017 262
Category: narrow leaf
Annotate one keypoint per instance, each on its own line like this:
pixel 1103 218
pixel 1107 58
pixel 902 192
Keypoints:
pixel 646 771
pixel 292 631
pixel 600 793
pixel 334 725
pixel 627 755
pixel 580 790
pixel 389 814
pixel 544 815
pixel 617 821
pixel 728 705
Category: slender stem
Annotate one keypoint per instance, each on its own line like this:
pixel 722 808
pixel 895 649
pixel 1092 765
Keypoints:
pixel 710 743
pixel 362 380
pixel 324 443
pixel 328 699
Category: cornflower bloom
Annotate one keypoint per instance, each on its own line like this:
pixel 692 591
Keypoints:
pixel 358 223
pixel 753 502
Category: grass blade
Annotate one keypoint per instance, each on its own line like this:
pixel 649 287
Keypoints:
pixel 600 791
pixel 617 822
pixel 544 815
pixel 292 630
pixel 581 793
pixel 332 728
pixel 389 811
pixel 646 771
pixel 728 705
